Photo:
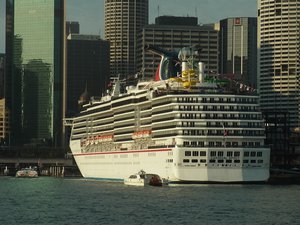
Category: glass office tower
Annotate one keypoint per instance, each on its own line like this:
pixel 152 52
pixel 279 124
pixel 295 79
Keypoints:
pixel 238 49
pixel 35 45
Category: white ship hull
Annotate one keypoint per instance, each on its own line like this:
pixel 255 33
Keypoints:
pixel 116 166
pixel 184 127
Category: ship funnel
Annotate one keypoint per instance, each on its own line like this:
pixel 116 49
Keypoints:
pixel 201 75
pixel 184 54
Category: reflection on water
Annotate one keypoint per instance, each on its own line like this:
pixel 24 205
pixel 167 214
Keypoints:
pixel 80 201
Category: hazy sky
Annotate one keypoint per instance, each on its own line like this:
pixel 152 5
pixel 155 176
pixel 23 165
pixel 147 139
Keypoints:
pixel 90 13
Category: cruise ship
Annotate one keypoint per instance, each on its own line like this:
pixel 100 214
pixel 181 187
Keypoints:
pixel 184 125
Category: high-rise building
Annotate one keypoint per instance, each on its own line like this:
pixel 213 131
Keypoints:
pixel 123 20
pixel 170 34
pixel 87 68
pixel 72 27
pixel 238 49
pixel 35 73
pixel 279 57
pixel 4 123
pixel 2 75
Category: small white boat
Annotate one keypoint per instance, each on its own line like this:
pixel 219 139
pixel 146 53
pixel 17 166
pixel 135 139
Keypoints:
pixel 27 172
pixel 143 179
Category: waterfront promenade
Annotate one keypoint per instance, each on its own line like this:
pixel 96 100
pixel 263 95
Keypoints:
pixel 48 161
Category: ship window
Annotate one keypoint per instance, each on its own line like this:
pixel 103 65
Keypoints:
pixel 194 160
pixel 259 154
pixel 186 160
pixel 246 154
pixel 236 153
pixel 218 143
pixel 203 160
pixel 187 153
pixel 253 154
pixel 211 144
pixel 185 143
pixel 229 154
pixel 194 143
pixel 212 153
pixel 202 153
pixel 201 143
pixel 195 153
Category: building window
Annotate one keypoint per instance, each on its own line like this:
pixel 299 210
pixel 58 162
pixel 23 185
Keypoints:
pixel 278 12
pixel 186 160
pixel 194 160
pixel 236 154
pixel 246 154
pixel 188 153
pixel 220 153
pixel 202 153
pixel 212 153
pixel 229 154
pixel 253 154
pixel 195 153
pixel 259 154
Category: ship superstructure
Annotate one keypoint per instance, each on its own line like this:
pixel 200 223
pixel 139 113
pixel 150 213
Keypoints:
pixel 185 128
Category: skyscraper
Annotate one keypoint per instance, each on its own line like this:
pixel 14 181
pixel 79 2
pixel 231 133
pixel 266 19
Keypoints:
pixel 72 27
pixel 123 19
pixel 2 75
pixel 279 62
pixel 238 49
pixel 35 61
pixel 87 66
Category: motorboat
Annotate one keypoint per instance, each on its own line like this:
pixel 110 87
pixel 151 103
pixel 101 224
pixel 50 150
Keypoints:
pixel 144 179
pixel 27 173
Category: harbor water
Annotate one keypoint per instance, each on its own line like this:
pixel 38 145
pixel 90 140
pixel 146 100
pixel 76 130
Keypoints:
pixel 56 201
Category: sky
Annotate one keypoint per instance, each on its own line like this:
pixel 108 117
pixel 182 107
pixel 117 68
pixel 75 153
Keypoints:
pixel 90 13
